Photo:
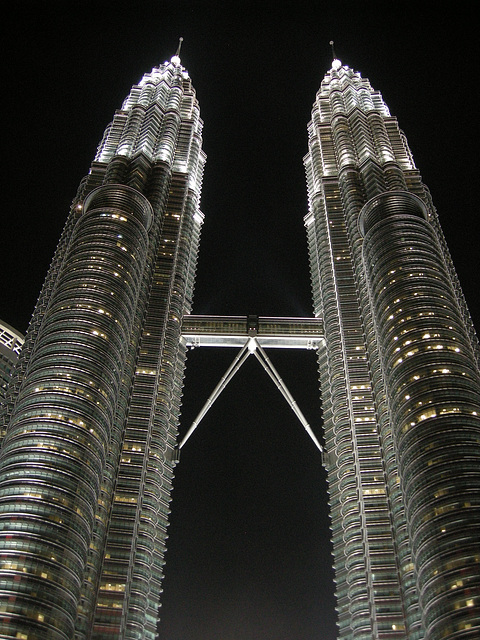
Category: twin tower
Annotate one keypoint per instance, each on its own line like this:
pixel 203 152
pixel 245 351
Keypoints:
pixel 90 432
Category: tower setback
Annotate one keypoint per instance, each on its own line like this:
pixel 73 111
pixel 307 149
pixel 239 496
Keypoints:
pixel 399 378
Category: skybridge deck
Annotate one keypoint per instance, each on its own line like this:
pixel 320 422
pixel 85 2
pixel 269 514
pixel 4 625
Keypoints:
pixel 270 332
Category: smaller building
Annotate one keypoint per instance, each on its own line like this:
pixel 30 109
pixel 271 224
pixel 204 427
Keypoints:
pixel 11 342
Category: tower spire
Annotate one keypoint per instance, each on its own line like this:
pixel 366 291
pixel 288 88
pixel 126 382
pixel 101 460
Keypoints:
pixel 176 58
pixel 334 57
pixel 180 40
pixel 336 63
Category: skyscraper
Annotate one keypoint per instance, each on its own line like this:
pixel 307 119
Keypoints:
pixel 86 464
pixel 87 461
pixel 399 378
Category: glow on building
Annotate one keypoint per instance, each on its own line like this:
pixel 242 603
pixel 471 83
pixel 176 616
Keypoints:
pixel 86 464
pixel 92 411
pixel 399 378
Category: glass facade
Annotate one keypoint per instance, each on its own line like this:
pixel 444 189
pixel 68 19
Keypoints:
pixel 399 379
pixel 86 464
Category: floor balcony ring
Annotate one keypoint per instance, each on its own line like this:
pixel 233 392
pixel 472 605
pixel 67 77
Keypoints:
pixel 387 204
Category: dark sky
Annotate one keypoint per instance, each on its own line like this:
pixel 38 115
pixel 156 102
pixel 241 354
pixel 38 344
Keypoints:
pixel 249 554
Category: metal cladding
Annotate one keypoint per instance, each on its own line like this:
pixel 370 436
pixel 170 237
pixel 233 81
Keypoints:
pixel 399 379
pixel 86 465
pixel 391 203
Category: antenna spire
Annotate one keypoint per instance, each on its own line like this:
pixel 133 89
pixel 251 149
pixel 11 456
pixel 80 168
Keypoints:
pixel 336 63
pixel 180 40
pixel 333 50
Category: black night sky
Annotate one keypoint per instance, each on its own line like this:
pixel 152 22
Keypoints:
pixel 249 552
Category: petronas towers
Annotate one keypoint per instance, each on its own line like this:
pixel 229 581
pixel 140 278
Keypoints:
pixel 90 427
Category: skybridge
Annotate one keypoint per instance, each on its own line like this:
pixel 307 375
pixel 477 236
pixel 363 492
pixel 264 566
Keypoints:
pixel 252 335
pixel 233 331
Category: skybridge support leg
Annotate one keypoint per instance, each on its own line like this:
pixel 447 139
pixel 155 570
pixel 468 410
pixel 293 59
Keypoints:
pixel 251 346
pixel 281 386
pixel 231 371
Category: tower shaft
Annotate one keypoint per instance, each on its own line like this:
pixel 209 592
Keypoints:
pixel 86 466
pixel 399 377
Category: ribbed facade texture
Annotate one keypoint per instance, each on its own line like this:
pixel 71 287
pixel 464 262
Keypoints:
pixel 399 379
pixel 92 412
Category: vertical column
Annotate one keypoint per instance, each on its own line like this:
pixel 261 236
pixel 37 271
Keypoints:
pixel 433 391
